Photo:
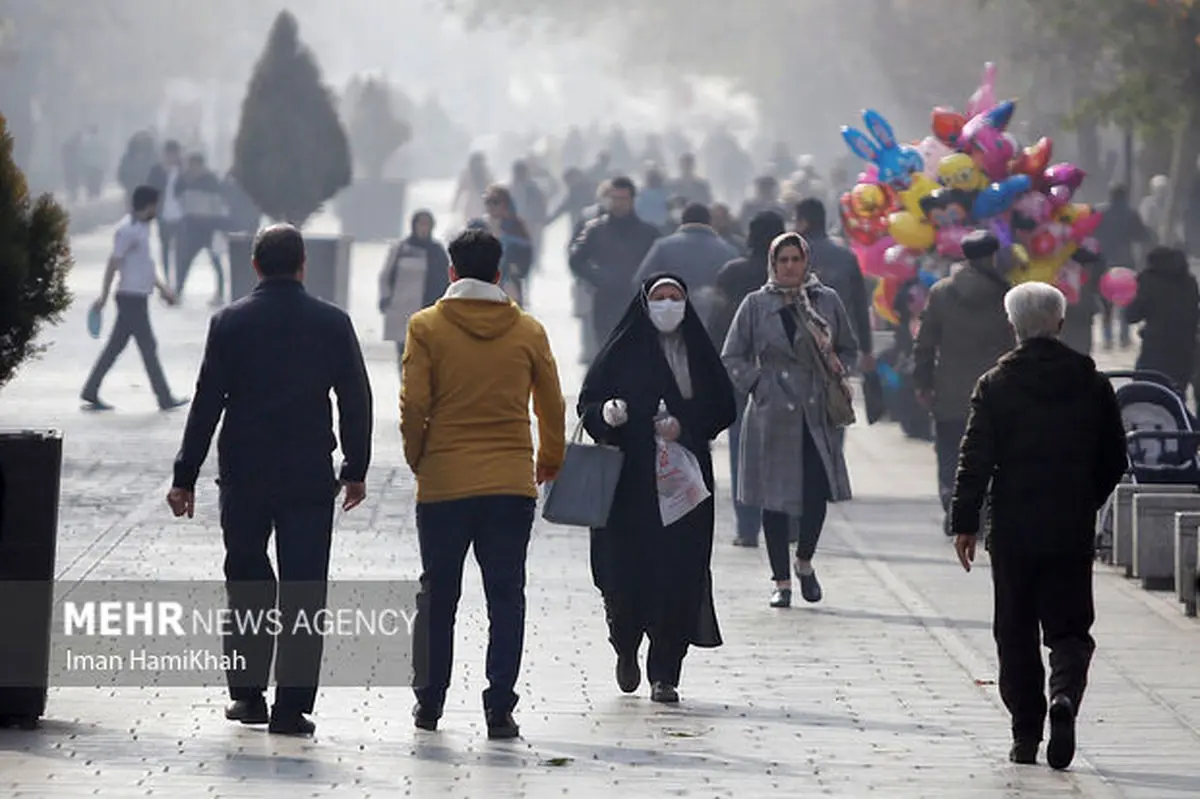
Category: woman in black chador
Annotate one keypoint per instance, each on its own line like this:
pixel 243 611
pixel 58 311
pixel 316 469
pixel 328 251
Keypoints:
pixel 655 580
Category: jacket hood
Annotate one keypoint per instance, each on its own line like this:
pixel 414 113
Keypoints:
pixel 1049 370
pixel 480 309
pixel 1166 263
pixel 977 286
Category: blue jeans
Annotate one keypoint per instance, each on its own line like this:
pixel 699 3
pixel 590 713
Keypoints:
pixel 749 519
pixel 497 527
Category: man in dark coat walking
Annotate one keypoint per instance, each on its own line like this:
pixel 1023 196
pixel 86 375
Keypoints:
pixel 964 331
pixel 607 253
pixel 269 364
pixel 1045 444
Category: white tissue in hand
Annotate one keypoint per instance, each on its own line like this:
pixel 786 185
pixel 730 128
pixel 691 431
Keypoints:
pixel 615 413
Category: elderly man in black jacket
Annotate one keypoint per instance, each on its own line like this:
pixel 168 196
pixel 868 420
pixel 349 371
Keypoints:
pixel 270 361
pixel 1045 444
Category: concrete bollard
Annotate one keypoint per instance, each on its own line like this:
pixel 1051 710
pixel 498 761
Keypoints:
pixel 1154 537
pixel 1122 544
pixel 1187 547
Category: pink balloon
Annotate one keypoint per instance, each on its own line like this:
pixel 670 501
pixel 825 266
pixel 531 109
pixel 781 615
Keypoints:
pixel 1033 205
pixel 1084 228
pixel 932 151
pixel 1064 175
pixel 985 96
pixel 870 175
pixel 1119 286
pixel 898 263
pixel 949 241
pixel 1060 196
pixel 871 257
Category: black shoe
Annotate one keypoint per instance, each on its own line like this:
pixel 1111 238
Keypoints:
pixel 1023 753
pixel 782 598
pixel 1060 751
pixel 247 711
pixel 666 694
pixel 502 727
pixel 629 675
pixel 426 718
pixel 94 403
pixel 173 403
pixel 287 722
pixel 810 588
pixel 749 543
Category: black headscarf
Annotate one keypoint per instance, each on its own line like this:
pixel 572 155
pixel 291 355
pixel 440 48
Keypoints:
pixel 631 366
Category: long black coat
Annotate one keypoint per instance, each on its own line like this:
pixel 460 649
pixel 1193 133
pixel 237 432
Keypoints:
pixel 1168 305
pixel 635 560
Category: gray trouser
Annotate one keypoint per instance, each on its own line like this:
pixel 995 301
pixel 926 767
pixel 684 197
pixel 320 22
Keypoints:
pixel 133 321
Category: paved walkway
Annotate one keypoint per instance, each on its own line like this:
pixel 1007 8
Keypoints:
pixel 886 689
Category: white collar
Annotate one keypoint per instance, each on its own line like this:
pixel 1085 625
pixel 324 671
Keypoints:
pixel 468 288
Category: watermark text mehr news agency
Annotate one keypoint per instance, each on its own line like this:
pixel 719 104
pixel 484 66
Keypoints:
pixel 168 618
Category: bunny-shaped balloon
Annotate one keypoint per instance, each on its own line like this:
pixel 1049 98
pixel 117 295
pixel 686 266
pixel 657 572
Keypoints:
pixel 985 96
pixel 895 162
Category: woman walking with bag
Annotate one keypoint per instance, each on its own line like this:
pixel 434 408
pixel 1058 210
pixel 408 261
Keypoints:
pixel 655 579
pixel 786 351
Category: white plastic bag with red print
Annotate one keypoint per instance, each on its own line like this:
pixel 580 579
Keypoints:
pixel 681 487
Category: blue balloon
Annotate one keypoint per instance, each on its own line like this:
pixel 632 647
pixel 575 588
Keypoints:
pixel 999 197
pixel 927 278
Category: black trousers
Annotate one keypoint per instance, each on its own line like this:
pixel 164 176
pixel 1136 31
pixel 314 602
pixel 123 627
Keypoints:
pixel 168 236
pixel 303 533
pixel 133 321
pixel 497 528
pixel 195 238
pixel 1041 598
pixel 947 438
pixel 777 527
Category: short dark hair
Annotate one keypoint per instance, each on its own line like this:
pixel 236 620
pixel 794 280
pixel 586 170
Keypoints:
pixel 812 211
pixel 476 254
pixel 173 147
pixel 196 159
pixel 143 198
pixel 279 251
pixel 696 214
pixel 623 183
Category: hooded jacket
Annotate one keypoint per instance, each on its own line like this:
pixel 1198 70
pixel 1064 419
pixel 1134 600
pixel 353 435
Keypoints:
pixel 470 364
pixel 1045 432
pixel 742 276
pixel 964 331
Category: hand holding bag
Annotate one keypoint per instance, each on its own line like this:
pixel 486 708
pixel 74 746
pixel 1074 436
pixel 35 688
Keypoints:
pixel 582 494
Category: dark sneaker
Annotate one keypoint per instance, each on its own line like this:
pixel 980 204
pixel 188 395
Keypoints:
pixel 663 693
pixel 426 718
pixel 502 727
pixel 749 543
pixel 1060 751
pixel 247 711
pixel 284 722
pixel 173 403
pixel 629 675
pixel 1023 753
pixel 94 403
pixel 782 598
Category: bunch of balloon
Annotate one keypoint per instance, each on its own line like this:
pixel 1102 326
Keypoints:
pixel 970 174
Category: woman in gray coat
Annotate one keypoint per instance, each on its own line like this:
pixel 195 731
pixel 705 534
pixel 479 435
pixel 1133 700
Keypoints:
pixel 791 461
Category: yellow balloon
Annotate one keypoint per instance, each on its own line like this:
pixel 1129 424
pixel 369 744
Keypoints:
pixel 922 186
pixel 911 230
pixel 883 308
pixel 1043 270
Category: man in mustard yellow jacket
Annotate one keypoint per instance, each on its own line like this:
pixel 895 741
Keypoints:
pixel 470 364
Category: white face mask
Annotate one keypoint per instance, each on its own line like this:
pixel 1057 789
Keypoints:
pixel 667 315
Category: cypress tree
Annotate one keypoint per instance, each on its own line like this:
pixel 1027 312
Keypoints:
pixel 291 154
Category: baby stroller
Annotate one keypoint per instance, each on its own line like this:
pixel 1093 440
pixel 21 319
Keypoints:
pixel 1162 437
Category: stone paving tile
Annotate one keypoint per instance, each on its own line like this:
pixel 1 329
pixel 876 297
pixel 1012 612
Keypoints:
pixel 875 692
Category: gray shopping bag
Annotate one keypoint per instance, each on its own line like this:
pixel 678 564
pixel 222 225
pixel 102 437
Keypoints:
pixel 582 494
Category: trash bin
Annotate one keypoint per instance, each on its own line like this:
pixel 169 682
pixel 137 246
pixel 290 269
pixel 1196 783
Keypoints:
pixel 30 475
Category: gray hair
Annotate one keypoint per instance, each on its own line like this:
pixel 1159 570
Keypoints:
pixel 1035 310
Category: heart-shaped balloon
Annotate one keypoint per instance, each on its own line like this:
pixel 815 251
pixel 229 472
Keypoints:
pixel 1064 175
pixel 1085 227
pixel 1034 159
